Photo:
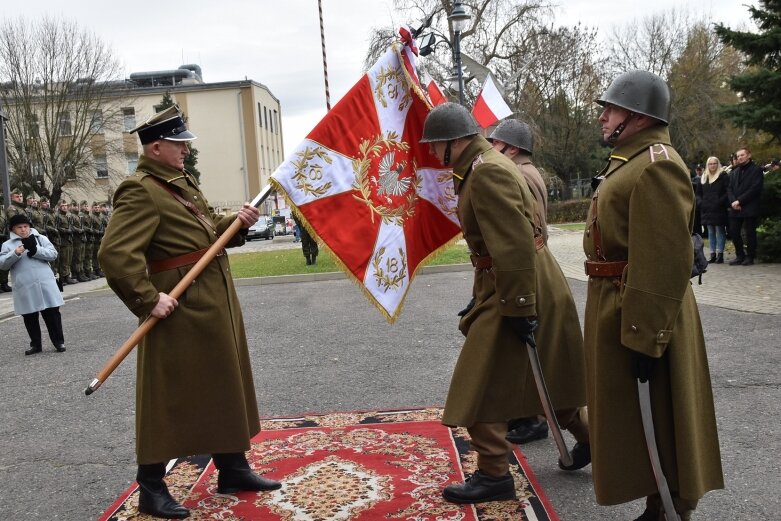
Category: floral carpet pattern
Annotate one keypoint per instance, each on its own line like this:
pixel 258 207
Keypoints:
pixel 348 467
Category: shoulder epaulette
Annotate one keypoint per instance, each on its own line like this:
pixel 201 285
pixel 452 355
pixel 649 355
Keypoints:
pixel 477 161
pixel 620 158
pixel 658 151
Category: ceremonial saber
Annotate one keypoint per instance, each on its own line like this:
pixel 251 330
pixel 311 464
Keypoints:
pixel 644 396
pixel 547 405
pixel 150 322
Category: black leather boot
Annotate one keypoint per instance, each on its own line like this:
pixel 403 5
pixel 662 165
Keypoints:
pixel 526 430
pixel 581 456
pixel 712 258
pixel 153 496
pixel 308 260
pixel 235 475
pixel 5 287
pixel 479 488
pixel 720 258
pixel 314 259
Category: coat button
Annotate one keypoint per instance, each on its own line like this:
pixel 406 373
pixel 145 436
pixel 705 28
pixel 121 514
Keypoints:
pixel 661 336
pixel 588 233
pixel 521 300
pixel 634 328
pixel 502 301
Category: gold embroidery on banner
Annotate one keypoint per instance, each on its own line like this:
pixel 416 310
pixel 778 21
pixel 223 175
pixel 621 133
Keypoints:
pixel 394 272
pixel 308 173
pixel 389 183
pixel 394 78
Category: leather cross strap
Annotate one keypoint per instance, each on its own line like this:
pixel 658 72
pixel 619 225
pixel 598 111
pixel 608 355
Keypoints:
pixel 187 204
pixel 177 262
pixel 484 262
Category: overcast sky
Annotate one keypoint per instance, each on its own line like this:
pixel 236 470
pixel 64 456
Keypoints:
pixel 277 42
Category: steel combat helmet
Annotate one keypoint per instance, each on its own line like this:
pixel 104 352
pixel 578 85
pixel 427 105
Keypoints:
pixel 641 92
pixel 515 133
pixel 447 122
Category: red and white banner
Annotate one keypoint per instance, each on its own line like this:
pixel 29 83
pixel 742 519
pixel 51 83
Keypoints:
pixel 490 106
pixel 366 187
pixel 435 95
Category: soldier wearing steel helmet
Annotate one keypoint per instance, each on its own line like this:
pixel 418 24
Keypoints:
pixel 492 381
pixel 559 336
pixel 642 322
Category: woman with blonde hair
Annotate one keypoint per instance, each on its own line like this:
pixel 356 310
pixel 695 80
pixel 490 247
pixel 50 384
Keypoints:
pixel 713 207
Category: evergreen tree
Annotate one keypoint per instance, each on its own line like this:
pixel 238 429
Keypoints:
pixel 760 84
pixel 192 159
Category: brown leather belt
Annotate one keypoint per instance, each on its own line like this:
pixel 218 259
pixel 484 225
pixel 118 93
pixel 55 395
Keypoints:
pixel 178 261
pixel 605 268
pixel 484 262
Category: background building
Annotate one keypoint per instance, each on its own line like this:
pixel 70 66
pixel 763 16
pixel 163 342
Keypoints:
pixel 238 124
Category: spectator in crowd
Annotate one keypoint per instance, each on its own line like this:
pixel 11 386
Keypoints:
pixel 772 166
pixel 27 255
pixel 743 192
pixel 714 204
pixel 696 186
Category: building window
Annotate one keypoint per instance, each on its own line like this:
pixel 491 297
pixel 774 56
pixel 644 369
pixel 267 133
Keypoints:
pixel 129 118
pixel 33 127
pixel 96 124
pixel 265 117
pixel 276 121
pixel 260 118
pixel 132 163
pixel 101 167
pixel 65 124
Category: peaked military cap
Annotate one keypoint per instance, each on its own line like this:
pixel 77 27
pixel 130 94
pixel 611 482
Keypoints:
pixel 167 124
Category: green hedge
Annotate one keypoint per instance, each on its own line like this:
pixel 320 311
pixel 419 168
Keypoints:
pixel 570 211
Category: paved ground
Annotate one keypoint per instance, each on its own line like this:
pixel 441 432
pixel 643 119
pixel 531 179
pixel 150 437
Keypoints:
pixel 318 346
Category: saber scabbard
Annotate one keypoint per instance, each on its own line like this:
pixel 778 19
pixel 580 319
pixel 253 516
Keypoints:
pixel 547 405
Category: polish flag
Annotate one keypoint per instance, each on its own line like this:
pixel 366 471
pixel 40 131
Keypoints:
pixel 490 106
pixel 435 93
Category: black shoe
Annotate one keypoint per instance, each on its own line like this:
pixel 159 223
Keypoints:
pixel 60 348
pixel 748 262
pixel 5 287
pixel 527 430
pixel 712 258
pixel 648 515
pixel 479 488
pixel 581 456
pixel 92 276
pixel 308 260
pixel 231 481
pixel 71 280
pixel 153 496
pixel 33 349
pixel 235 475
pixel 720 258
pixel 82 278
pixel 737 261
pixel 314 260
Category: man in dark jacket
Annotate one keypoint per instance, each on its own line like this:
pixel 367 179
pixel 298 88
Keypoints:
pixel 744 190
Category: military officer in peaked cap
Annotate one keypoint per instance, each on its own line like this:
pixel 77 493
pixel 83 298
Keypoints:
pixel 197 356
pixel 642 322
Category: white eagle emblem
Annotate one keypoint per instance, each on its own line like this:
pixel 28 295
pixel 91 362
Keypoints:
pixel 389 182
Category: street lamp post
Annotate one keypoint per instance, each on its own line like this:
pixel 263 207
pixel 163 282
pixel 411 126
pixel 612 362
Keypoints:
pixel 459 20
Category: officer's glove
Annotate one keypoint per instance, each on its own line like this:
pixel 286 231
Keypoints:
pixel 524 327
pixel 468 308
pixel 642 366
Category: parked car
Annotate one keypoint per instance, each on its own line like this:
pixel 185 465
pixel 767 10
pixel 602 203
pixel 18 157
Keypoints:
pixel 264 228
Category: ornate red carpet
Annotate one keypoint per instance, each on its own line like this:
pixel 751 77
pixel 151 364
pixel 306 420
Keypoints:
pixel 349 467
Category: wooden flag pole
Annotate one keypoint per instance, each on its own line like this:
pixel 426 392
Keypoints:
pixel 150 322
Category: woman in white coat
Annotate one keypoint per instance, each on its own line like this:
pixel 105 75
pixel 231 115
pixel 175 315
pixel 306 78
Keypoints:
pixel 26 255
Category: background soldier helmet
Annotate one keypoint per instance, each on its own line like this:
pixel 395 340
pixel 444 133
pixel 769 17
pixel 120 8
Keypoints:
pixel 515 133
pixel 641 92
pixel 447 122
pixel 167 124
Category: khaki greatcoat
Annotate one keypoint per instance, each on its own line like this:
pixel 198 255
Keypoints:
pixel 194 392
pixel 492 380
pixel 645 216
